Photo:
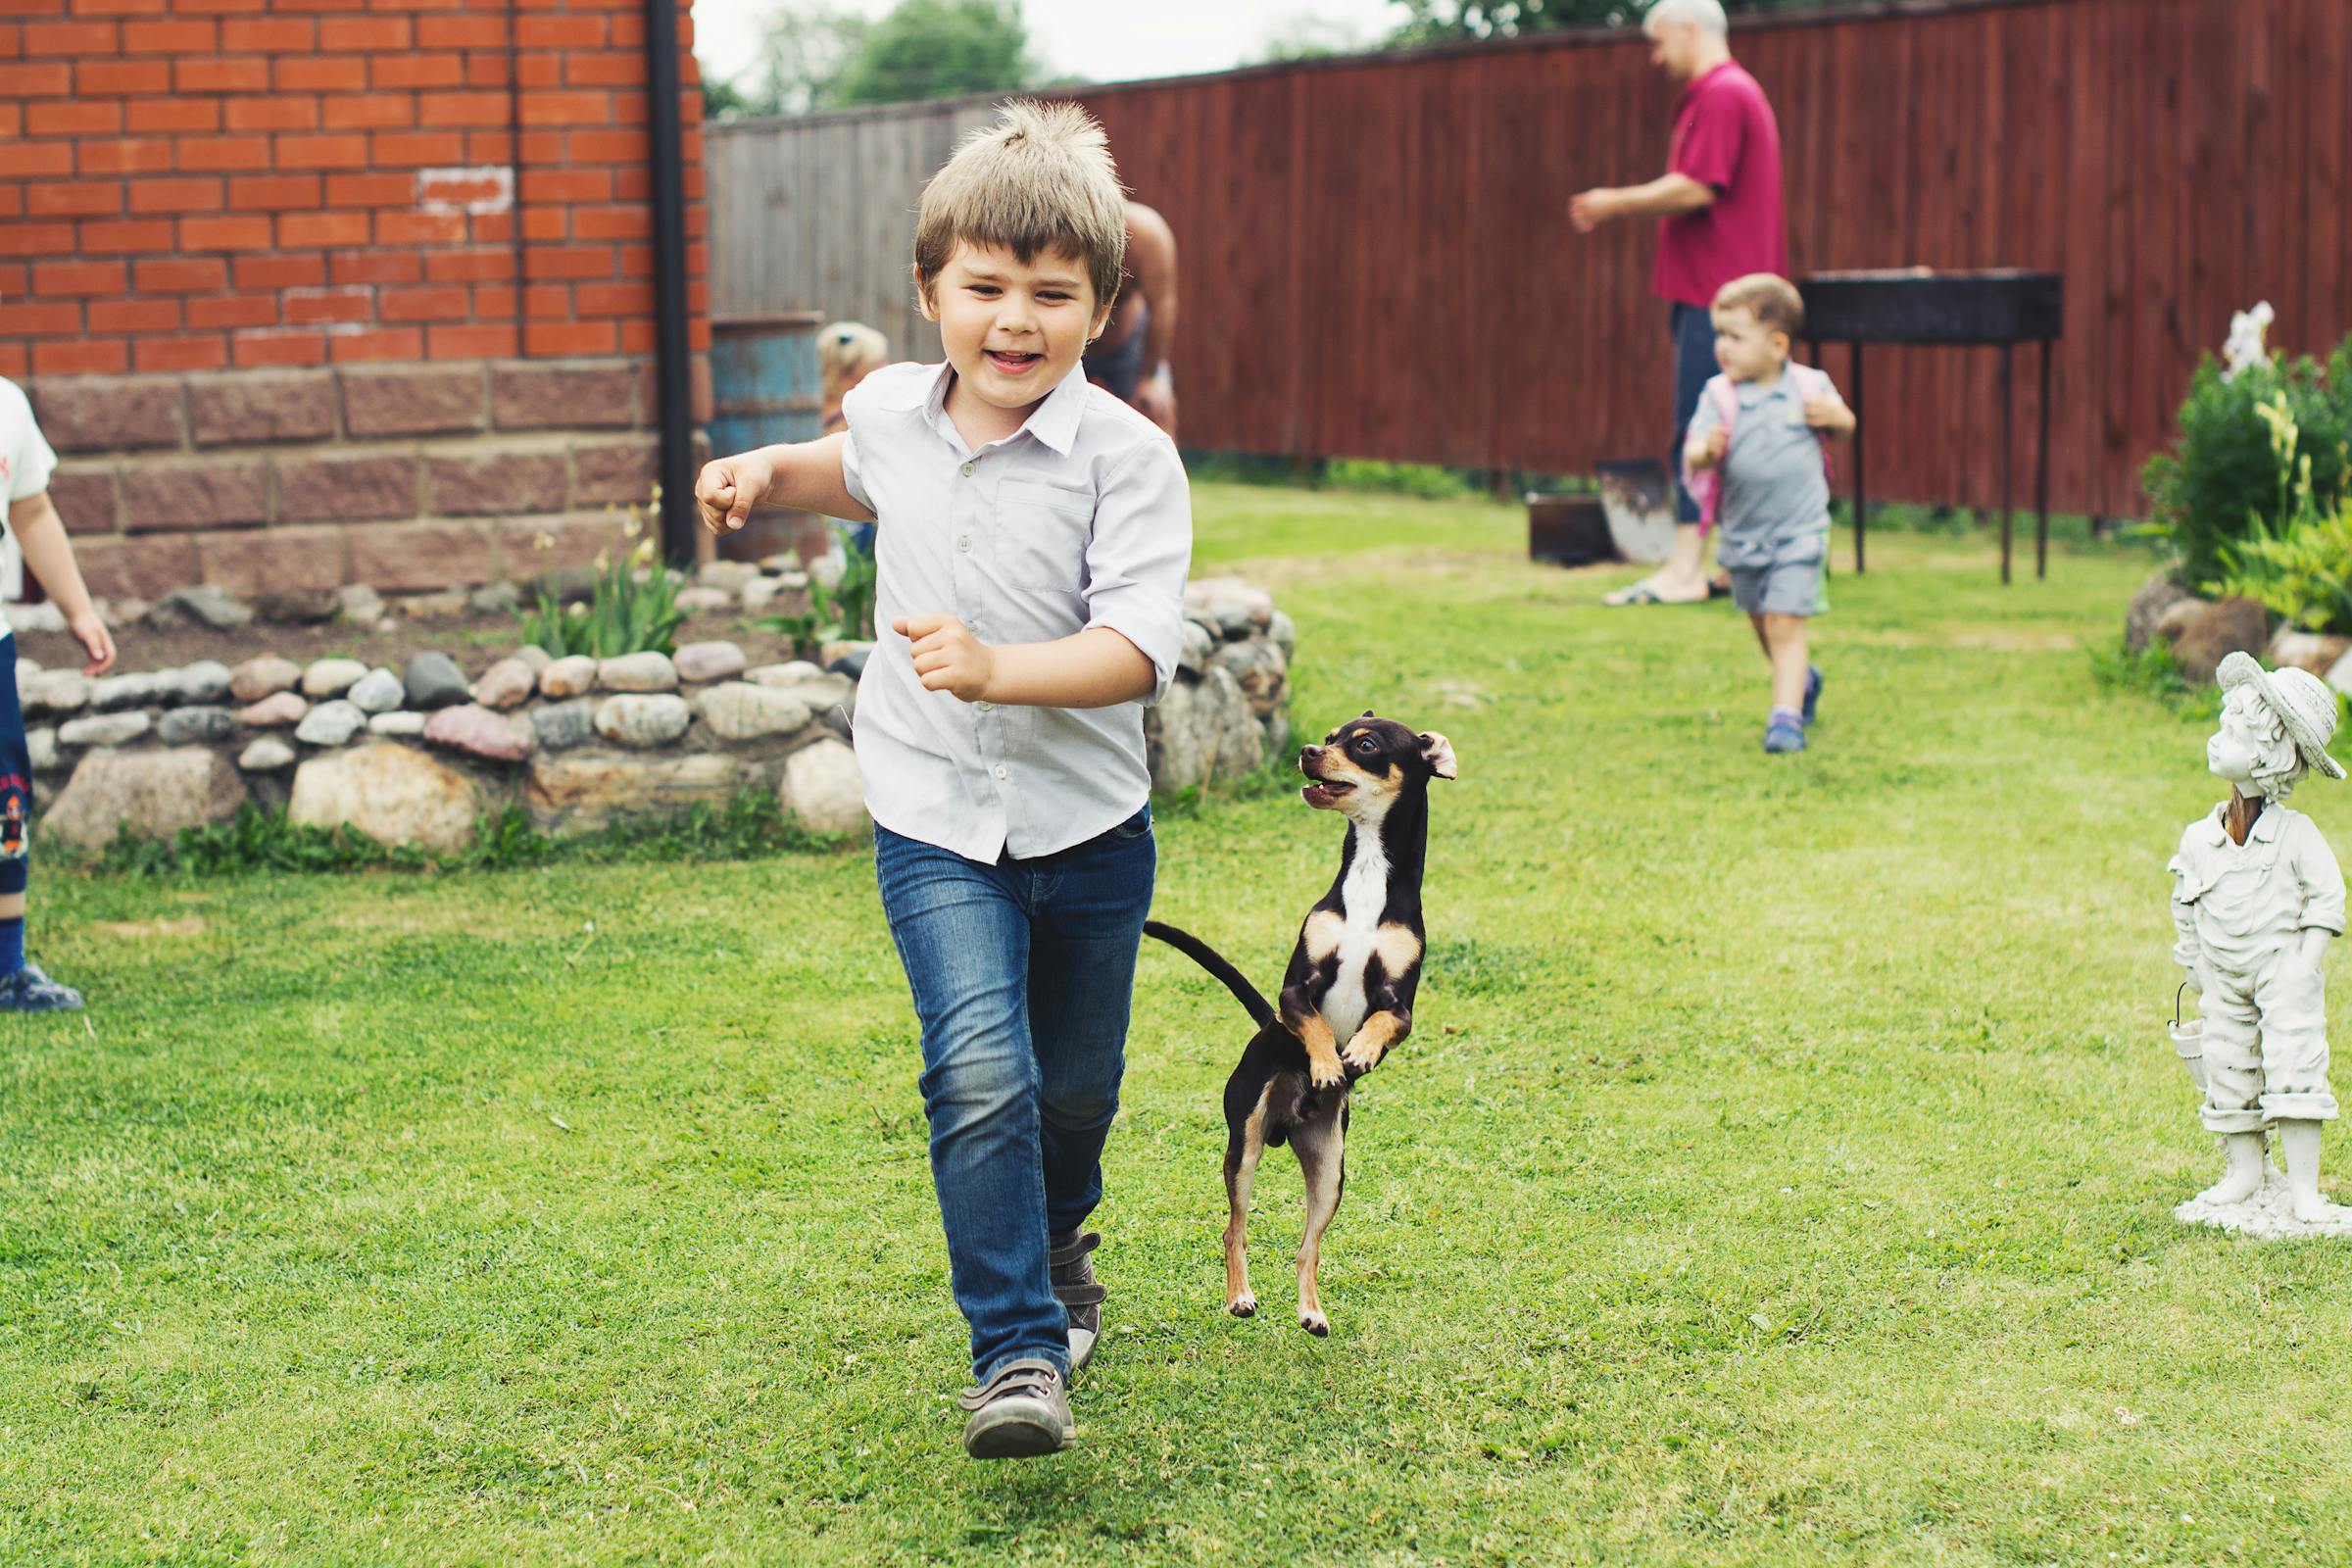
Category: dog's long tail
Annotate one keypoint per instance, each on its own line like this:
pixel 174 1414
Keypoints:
pixel 1261 1011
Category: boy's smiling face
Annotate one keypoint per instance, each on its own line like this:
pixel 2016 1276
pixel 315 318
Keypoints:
pixel 1012 329
pixel 1745 348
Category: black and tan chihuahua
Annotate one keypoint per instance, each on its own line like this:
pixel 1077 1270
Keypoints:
pixel 1348 996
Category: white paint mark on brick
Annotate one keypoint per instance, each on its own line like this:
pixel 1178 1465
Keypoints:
pixel 482 188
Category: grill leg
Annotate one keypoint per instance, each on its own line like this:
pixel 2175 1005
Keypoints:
pixel 2041 480
pixel 2008 447
pixel 1861 479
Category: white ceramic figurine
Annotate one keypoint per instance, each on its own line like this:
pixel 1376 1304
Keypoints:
pixel 2256 898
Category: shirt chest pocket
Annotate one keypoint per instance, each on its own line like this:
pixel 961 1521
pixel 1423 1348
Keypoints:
pixel 1042 533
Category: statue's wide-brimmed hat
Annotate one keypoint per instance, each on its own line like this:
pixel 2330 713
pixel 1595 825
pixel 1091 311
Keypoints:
pixel 2304 704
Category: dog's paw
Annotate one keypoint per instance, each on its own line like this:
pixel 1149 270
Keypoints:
pixel 1323 1077
pixel 1314 1322
pixel 1359 1062
pixel 1243 1305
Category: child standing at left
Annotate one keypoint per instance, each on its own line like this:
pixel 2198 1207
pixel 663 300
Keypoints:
pixel 26 464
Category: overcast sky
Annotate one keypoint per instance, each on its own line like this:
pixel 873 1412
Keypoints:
pixel 1102 40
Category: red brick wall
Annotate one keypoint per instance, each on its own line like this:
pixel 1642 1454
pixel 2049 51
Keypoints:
pixel 192 185
pixel 317 291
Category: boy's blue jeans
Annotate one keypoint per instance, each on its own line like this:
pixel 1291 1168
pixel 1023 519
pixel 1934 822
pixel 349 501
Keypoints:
pixel 1022 972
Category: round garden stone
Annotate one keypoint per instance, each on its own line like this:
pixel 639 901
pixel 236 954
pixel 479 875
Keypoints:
pixel 276 710
pixel 1191 656
pixel 332 724
pixel 379 691
pixel 558 726
pixel 157 793
pixel 40 748
pixel 266 756
pixel 434 680
pixel 638 672
pixel 643 722
pixel 112 694
pixel 821 787
pixel 400 722
pixel 573 676
pixel 332 677
pixel 104 729
pixel 205 682
pixel 738 711
pixel 534 655
pixel 1284 633
pixel 478 732
pixel 790 673
pixel 257 679
pixel 393 794
pixel 712 661
pixel 696 600
pixel 579 791
pixel 196 726
pixel 56 690
pixel 509 683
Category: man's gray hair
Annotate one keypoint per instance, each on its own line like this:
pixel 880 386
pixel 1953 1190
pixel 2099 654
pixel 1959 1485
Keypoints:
pixel 1708 14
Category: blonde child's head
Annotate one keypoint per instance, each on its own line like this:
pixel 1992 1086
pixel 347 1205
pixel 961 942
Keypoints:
pixel 1757 320
pixel 846 350
pixel 1039 181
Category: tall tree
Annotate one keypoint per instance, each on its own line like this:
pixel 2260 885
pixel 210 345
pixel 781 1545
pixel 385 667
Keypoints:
pixel 937 49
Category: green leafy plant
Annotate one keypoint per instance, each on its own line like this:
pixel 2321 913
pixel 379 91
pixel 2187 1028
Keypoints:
pixel 633 607
pixel 2221 482
pixel 2299 569
pixel 846 611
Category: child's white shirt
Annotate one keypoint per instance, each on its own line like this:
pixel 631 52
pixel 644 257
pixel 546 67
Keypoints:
pixel 1081 518
pixel 26 465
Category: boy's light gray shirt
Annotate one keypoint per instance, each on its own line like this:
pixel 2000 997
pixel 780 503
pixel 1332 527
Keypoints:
pixel 1080 519
pixel 1776 492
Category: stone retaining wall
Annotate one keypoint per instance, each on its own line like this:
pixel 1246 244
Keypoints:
pixel 407 477
pixel 416 756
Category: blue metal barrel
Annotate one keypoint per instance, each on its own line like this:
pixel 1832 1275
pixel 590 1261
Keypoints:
pixel 765 388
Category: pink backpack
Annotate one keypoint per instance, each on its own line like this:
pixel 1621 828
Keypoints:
pixel 1706 487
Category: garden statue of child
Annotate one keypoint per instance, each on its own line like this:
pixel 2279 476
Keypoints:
pixel 2256 898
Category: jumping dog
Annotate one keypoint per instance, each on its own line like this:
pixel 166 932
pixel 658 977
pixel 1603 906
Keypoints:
pixel 1348 996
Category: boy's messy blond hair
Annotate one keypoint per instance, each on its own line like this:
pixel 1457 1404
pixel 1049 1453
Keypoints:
pixel 1041 178
pixel 1771 299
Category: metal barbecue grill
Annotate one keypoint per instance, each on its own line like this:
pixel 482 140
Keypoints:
pixel 2002 309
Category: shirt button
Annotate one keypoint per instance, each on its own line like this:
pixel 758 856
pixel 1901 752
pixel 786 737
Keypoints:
pixel 964 541
pixel 967 468
pixel 984 708
pixel 1000 771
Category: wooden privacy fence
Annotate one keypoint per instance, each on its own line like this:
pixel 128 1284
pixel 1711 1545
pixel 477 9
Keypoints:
pixel 1376 260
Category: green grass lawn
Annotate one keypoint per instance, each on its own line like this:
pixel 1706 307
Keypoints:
pixel 1781 1171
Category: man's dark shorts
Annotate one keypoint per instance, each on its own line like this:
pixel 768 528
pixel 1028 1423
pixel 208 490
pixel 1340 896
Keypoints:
pixel 1121 371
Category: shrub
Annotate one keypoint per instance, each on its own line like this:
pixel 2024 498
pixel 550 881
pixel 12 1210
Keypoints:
pixel 843 611
pixel 2221 482
pixel 633 610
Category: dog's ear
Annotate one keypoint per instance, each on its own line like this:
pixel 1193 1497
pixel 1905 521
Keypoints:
pixel 1437 752
pixel 1367 713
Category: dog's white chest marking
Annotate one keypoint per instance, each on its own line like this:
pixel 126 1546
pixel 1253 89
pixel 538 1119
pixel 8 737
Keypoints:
pixel 1363 896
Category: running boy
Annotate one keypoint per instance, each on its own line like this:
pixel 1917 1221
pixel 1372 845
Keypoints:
pixel 25 463
pixel 1034 534
pixel 1758 462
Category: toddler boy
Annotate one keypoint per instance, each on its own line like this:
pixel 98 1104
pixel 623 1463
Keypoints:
pixel 1757 463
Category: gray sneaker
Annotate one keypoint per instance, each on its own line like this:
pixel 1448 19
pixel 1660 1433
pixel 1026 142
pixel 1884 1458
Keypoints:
pixel 1019 1414
pixel 28 990
pixel 1075 1287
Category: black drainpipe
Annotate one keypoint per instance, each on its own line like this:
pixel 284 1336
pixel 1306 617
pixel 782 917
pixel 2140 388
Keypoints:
pixel 672 380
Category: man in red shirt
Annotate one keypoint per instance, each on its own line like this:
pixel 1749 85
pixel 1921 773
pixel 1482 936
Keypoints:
pixel 1720 218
